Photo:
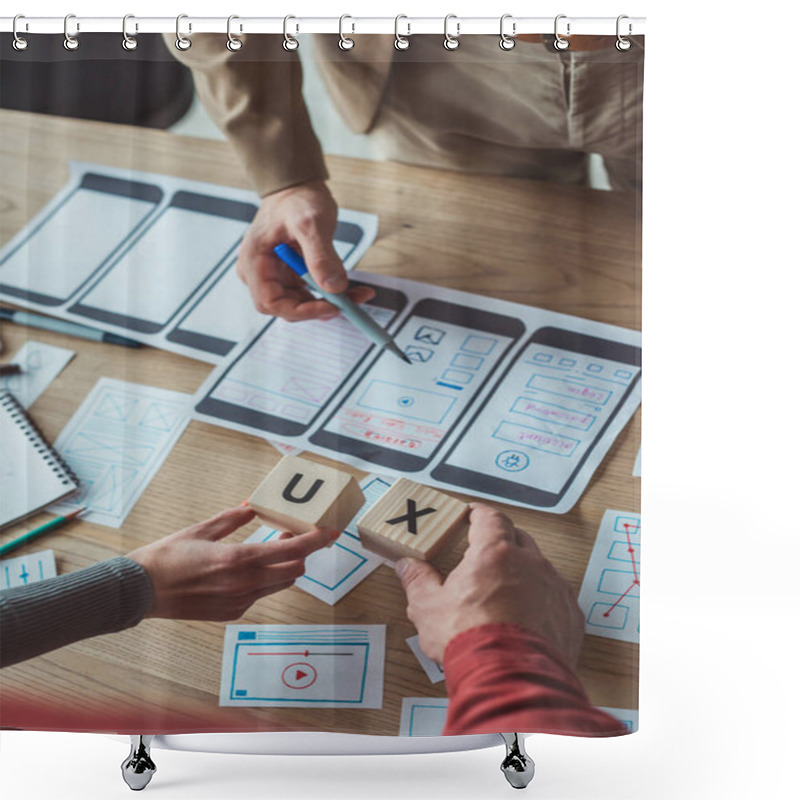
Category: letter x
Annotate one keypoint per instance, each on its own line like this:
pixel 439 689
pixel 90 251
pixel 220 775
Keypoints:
pixel 411 515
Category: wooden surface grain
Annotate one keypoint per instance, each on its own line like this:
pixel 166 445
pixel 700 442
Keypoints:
pixel 567 249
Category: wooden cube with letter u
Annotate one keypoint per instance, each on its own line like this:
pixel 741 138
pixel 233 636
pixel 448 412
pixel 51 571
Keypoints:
pixel 300 495
pixel 412 520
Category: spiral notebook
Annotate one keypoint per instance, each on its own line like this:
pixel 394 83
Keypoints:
pixel 32 474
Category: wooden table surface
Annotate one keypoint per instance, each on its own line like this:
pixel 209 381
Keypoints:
pixel 567 249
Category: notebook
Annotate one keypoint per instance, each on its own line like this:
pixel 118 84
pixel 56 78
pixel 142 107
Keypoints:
pixel 32 474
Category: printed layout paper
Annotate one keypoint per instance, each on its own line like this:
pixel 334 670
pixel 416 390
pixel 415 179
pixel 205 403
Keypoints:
pixel 609 596
pixel 116 442
pixel 502 401
pixel 118 233
pixel 303 666
pixel 30 568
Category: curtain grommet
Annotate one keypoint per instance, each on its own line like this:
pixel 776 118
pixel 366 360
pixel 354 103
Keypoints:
pixel 560 43
pixel 233 44
pixel 451 41
pixel 289 42
pixel 506 42
pixel 182 42
pixel 129 42
pixel 19 43
pixel 401 42
pixel 345 42
pixel 70 42
pixel 622 44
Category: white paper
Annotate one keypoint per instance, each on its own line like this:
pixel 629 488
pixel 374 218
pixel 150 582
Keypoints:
pixel 423 716
pixel 303 666
pixel 111 250
pixel 629 717
pixel 40 363
pixel 433 670
pixel 499 405
pixel 637 465
pixel 31 568
pixel 609 596
pixel 334 571
pixel 116 442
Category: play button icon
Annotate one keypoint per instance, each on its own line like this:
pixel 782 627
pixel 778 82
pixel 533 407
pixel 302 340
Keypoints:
pixel 299 675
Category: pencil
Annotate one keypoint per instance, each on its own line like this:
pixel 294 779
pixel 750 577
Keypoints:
pixel 37 532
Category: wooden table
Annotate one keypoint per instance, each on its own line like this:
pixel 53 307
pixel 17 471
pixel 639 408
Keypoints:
pixel 566 249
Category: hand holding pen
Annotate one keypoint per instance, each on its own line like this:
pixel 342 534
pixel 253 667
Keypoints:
pixel 306 217
pixel 354 313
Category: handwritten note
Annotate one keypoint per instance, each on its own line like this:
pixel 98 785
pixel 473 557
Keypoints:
pixel 40 364
pixel 31 568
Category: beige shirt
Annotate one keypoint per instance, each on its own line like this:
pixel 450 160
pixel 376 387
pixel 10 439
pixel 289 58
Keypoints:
pixel 529 112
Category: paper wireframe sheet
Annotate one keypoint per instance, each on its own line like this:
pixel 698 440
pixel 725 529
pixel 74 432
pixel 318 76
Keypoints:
pixel 502 401
pixel 116 442
pixel 40 364
pixel 609 596
pixel 303 666
pixel 30 568
pixel 116 234
pixel 336 570
pixel 423 716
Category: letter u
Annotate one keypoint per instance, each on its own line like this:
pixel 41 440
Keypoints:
pixel 290 487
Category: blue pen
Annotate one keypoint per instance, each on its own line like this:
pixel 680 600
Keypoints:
pixel 363 321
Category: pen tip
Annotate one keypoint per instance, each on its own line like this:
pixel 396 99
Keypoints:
pixel 406 358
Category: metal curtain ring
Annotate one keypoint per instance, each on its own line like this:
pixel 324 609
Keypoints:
pixel 70 42
pixel 289 42
pixel 181 41
pixel 233 44
pixel 19 43
pixel 129 42
pixel 560 42
pixel 401 42
pixel 345 43
pixel 622 43
pixel 506 42
pixel 451 42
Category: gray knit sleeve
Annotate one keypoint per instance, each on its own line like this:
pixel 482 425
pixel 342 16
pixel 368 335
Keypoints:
pixel 103 598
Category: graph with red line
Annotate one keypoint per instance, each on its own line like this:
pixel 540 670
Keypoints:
pixel 609 596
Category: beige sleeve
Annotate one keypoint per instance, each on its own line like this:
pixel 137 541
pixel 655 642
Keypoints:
pixel 254 96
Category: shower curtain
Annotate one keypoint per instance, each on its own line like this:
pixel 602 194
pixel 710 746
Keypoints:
pixel 418 518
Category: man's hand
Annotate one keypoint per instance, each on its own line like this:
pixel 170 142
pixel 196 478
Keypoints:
pixel 197 576
pixel 304 217
pixel 503 577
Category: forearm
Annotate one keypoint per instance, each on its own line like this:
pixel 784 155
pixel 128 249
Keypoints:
pixel 503 678
pixel 255 97
pixel 103 598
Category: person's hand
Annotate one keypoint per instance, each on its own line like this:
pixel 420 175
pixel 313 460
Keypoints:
pixel 503 577
pixel 195 575
pixel 303 216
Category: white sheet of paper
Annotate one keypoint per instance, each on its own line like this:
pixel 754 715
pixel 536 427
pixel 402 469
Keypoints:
pixel 303 666
pixel 423 716
pixel 637 465
pixel 472 405
pixel 31 568
pixel 433 670
pixel 334 571
pixel 93 254
pixel 629 717
pixel 116 442
pixel 609 596
pixel 41 363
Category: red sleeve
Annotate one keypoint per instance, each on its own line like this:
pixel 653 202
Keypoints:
pixel 504 678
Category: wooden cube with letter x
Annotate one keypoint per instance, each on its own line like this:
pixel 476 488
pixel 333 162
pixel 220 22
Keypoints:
pixel 299 495
pixel 412 520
